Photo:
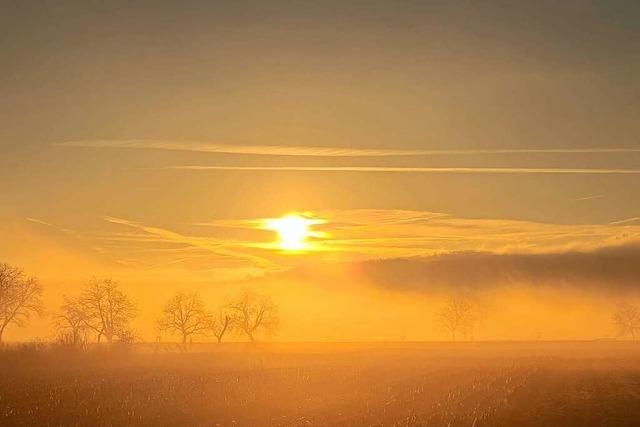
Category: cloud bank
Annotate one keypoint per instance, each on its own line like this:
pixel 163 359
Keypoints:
pixel 606 269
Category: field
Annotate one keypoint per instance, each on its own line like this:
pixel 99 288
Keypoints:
pixel 403 384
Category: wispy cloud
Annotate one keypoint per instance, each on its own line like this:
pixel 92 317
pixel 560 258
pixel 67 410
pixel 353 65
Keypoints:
pixel 394 169
pixel 419 232
pixel 39 221
pixel 48 224
pixel 626 221
pixel 214 246
pixel 282 150
pixel 379 233
pixel 585 198
pixel 345 235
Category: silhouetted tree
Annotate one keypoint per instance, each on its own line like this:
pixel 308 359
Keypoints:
pixel 20 297
pixel 627 319
pixel 251 313
pixel 457 316
pixel 186 315
pixel 222 325
pixel 70 322
pixel 107 310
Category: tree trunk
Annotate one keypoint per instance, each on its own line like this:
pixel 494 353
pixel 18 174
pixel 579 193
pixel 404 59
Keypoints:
pixel 184 342
pixel 224 330
pixel 453 335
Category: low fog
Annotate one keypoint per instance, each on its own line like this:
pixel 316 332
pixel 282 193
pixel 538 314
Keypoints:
pixel 564 295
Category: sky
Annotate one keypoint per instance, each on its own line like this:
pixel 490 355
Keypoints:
pixel 150 142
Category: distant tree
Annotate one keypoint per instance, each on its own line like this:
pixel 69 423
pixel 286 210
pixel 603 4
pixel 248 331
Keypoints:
pixel 20 297
pixel 252 313
pixel 186 315
pixel 70 322
pixel 222 325
pixel 627 319
pixel 107 310
pixel 457 316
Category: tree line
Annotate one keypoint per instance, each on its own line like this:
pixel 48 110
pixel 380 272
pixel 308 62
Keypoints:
pixel 103 311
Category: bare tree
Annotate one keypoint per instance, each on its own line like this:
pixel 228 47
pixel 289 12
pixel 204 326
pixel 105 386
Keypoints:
pixel 222 325
pixel 457 316
pixel 107 310
pixel 186 315
pixel 627 319
pixel 252 313
pixel 71 323
pixel 20 297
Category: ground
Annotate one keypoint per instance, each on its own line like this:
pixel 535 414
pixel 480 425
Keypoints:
pixel 401 384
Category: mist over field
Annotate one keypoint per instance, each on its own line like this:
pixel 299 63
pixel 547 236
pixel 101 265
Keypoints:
pixel 567 294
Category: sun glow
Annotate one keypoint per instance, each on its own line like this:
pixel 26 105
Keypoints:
pixel 293 231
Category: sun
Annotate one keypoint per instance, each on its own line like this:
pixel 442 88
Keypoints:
pixel 293 231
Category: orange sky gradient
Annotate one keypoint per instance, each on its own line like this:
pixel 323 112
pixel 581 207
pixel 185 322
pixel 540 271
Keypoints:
pixel 433 150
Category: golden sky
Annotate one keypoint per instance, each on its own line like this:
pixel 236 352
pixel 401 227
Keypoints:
pixel 151 142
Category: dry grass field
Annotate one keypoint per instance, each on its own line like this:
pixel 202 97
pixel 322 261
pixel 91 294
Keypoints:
pixel 404 384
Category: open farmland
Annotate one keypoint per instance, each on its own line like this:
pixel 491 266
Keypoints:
pixel 481 384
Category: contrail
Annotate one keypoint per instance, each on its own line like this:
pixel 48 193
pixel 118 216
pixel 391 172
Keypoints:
pixel 462 170
pixel 282 150
pixel 586 198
